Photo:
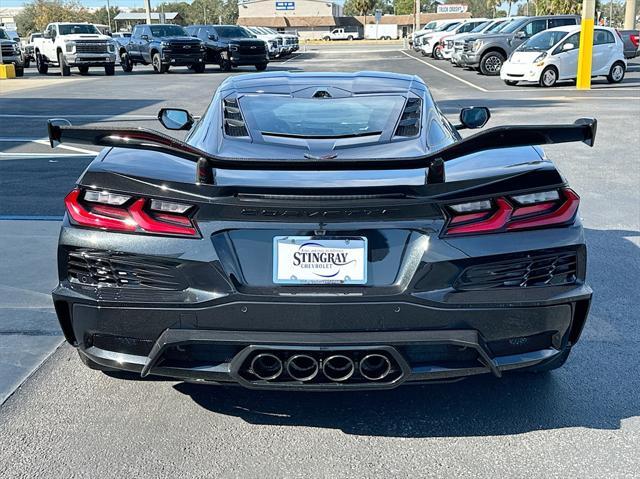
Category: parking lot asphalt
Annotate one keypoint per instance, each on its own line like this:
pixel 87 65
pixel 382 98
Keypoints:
pixel 68 421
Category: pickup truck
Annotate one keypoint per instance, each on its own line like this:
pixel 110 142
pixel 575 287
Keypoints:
pixel 231 46
pixel 68 45
pixel 29 50
pixel 162 46
pixel 342 34
pixel 11 53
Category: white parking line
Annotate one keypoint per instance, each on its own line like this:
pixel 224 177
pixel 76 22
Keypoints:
pixel 44 141
pixel 114 117
pixel 447 73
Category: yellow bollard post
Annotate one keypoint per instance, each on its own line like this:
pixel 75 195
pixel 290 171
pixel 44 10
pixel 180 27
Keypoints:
pixel 7 71
pixel 583 81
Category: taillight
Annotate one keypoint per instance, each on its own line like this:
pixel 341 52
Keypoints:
pixel 117 212
pixel 518 212
pixel 635 39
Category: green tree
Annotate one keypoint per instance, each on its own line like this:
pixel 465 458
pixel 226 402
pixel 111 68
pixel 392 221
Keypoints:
pixel 358 7
pixel 37 14
pixel 100 16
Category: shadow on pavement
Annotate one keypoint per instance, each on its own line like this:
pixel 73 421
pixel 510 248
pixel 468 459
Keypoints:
pixel 597 388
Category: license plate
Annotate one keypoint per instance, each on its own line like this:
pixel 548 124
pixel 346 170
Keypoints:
pixel 313 260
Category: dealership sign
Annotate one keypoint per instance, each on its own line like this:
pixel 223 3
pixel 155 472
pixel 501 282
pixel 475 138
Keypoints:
pixel 452 8
pixel 285 5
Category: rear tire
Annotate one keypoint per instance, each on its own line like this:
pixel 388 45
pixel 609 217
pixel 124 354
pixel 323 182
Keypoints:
pixel 616 74
pixel 261 67
pixel 65 70
pixel 436 53
pixel 548 77
pixel 198 67
pixel 42 67
pixel 19 71
pixel 327 39
pixel 27 62
pixel 491 63
pixel 125 62
pixel 225 65
pixel 110 70
pixel 350 37
pixel 83 70
pixel 158 67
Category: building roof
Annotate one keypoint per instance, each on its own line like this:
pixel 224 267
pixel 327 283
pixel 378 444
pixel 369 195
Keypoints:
pixel 306 22
pixel 143 16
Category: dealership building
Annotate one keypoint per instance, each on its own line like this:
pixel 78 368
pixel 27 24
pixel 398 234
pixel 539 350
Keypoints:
pixel 314 19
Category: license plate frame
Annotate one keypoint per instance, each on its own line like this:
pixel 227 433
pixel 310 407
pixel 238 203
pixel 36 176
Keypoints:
pixel 352 272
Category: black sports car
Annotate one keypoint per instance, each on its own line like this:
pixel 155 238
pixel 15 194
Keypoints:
pixel 322 231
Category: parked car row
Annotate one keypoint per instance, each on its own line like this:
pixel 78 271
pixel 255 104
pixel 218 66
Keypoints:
pixel 83 45
pixel 541 49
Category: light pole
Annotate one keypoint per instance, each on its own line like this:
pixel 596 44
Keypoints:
pixel 147 6
pixel 109 15
pixel 630 15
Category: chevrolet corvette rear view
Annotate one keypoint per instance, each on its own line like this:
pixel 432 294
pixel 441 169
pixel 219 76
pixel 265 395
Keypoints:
pixel 322 231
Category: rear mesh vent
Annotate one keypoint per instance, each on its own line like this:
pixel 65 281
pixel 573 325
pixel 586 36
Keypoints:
pixel 409 124
pixel 233 121
pixel 542 270
pixel 119 270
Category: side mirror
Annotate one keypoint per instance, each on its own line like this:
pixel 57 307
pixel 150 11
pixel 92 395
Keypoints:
pixel 145 37
pixel 175 119
pixel 213 36
pixel 46 34
pixel 568 46
pixel 474 117
pixel 521 35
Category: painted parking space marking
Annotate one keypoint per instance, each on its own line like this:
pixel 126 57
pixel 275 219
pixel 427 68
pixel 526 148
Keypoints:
pixel 468 83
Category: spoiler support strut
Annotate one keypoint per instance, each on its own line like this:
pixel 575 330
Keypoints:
pixel 583 129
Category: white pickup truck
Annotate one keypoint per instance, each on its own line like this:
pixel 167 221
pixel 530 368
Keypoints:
pixel 79 45
pixel 342 34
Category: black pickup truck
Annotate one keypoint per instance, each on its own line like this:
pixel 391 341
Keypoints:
pixel 162 46
pixel 231 46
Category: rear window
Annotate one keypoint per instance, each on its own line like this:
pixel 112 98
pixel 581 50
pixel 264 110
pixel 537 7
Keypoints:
pixel 167 31
pixel 317 117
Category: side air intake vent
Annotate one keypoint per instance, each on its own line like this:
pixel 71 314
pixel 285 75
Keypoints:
pixel 233 121
pixel 120 270
pixel 539 270
pixel 409 124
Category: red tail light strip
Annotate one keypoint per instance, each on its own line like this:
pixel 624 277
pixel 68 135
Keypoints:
pixel 563 214
pixel 150 224
pixel 92 219
pixel 495 222
pixel 132 218
pixel 507 217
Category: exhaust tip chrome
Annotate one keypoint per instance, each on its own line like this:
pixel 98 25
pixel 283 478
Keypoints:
pixel 266 366
pixel 375 367
pixel 338 368
pixel 302 367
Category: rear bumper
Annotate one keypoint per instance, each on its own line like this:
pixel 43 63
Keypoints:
pixel 233 369
pixel 424 342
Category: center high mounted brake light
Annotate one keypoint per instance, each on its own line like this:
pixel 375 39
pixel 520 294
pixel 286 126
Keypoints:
pixel 511 213
pixel 116 212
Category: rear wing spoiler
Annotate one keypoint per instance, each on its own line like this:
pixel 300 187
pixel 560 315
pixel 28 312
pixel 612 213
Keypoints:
pixel 583 129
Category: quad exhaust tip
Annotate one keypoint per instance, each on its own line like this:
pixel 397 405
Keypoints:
pixel 302 367
pixel 338 368
pixel 266 366
pixel 375 367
